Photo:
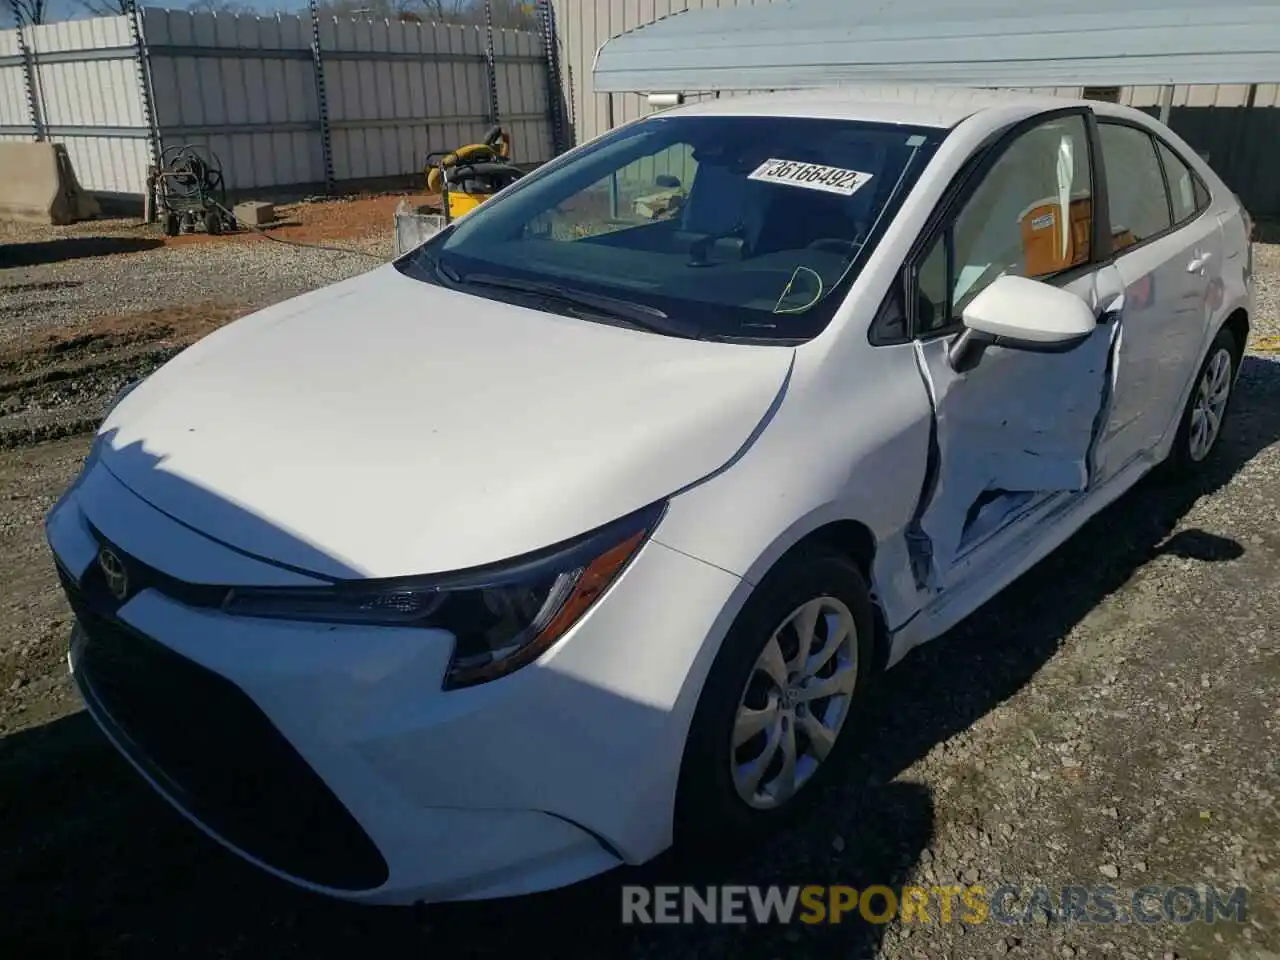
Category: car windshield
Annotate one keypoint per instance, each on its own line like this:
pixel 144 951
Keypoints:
pixel 713 227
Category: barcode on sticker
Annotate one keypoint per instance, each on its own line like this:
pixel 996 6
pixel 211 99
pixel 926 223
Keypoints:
pixel 812 176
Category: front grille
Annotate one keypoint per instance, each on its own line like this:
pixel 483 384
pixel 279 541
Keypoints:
pixel 215 753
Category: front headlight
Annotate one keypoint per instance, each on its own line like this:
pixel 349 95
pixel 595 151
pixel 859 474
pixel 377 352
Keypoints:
pixel 501 616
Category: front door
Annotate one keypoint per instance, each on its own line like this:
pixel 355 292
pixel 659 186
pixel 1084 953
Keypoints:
pixel 1015 429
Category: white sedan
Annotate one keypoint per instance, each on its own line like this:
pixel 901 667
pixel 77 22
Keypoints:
pixel 583 528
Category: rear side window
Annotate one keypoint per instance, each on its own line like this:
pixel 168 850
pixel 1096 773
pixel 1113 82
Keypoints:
pixel 1135 183
pixel 1187 194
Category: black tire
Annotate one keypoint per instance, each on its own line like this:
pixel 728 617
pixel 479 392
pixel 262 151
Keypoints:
pixel 709 809
pixel 172 225
pixel 1184 459
pixel 212 222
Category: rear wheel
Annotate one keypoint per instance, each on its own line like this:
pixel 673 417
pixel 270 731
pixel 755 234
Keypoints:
pixel 172 225
pixel 774 719
pixel 1206 409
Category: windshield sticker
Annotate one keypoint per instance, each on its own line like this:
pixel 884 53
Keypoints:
pixel 812 176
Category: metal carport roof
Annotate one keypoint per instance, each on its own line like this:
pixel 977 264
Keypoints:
pixel 997 43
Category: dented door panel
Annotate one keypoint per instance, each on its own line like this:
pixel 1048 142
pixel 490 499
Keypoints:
pixel 1010 432
pixel 1168 309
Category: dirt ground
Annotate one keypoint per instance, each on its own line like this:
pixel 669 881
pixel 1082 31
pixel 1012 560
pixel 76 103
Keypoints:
pixel 1111 718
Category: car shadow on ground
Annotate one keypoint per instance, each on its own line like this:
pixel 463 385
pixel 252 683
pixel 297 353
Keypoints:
pixel 71 248
pixel 94 861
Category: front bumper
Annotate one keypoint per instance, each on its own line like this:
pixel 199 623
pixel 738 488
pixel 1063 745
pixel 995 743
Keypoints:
pixel 330 756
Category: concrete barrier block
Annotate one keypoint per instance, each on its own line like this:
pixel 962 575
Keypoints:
pixel 255 213
pixel 38 185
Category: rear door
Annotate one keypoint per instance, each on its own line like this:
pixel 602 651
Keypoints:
pixel 1017 428
pixel 1168 252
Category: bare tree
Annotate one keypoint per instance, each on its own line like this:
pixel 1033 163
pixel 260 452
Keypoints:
pixel 213 6
pixel 514 14
pixel 106 8
pixel 447 11
pixel 518 14
pixel 377 9
pixel 27 12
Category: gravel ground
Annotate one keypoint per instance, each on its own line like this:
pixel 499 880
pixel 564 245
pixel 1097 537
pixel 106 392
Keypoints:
pixel 131 268
pixel 1111 718
pixel 1266 264
pixel 84 309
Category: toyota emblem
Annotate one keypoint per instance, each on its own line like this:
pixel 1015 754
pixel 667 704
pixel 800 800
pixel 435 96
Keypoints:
pixel 113 570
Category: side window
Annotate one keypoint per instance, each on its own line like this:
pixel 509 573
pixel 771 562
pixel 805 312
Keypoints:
pixel 1031 216
pixel 1186 193
pixel 1202 195
pixel 933 289
pixel 1135 185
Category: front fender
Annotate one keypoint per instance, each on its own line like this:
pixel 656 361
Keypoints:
pixel 838 448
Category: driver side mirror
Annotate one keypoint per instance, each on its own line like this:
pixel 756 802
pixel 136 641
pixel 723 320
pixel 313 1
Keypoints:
pixel 1021 314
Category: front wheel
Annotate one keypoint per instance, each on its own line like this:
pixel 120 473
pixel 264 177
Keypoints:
pixel 774 719
pixel 1206 410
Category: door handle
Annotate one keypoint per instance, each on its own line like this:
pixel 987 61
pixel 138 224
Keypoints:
pixel 1199 262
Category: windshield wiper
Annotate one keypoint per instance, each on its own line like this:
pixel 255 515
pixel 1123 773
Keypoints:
pixel 639 314
pixel 439 268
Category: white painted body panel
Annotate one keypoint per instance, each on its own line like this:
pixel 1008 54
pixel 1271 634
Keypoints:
pixel 448 785
pixel 454 431
pixel 383 427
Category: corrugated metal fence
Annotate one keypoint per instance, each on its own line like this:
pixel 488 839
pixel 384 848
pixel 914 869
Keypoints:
pixel 285 102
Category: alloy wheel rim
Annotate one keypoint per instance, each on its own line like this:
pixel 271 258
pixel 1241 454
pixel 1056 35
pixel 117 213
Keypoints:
pixel 1210 404
pixel 794 703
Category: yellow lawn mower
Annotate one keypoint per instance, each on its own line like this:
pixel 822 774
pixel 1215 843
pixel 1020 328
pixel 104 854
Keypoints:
pixel 470 175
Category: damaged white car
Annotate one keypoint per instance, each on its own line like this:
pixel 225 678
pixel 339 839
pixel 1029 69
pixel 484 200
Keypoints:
pixel 585 525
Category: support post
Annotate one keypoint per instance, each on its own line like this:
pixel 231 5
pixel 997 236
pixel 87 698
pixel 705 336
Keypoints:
pixel 1166 103
pixel 614 200
pixel 28 75
pixel 322 99
pixel 146 90
pixel 561 137
pixel 490 62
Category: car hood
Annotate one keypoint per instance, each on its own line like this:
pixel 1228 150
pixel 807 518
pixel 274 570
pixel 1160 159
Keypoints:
pixel 384 427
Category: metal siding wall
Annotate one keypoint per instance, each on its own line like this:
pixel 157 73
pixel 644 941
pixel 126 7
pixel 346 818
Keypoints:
pixel 1238 143
pixel 583 25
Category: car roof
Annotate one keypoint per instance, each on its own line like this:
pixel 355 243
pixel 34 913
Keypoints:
pixel 941 107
